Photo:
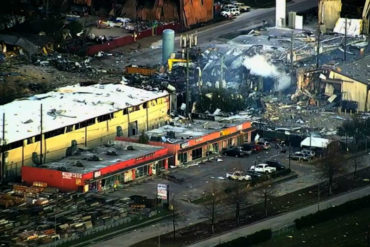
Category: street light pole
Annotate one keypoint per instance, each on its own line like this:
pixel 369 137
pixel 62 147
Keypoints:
pixel 289 151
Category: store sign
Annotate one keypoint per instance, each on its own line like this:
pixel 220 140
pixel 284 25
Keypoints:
pixel 145 156
pixel 225 132
pixel 199 139
pixel 239 127
pixel 70 175
pixel 162 191
pixel 97 174
pixel 184 145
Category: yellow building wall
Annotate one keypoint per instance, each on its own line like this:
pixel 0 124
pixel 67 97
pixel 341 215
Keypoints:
pixel 353 90
pixel 55 147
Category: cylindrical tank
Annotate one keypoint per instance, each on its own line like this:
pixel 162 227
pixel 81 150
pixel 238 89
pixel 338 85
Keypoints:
pixel 168 44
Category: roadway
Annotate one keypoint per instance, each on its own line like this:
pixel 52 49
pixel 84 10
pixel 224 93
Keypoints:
pixel 210 34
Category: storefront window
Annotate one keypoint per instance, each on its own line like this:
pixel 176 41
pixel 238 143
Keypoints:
pixel 142 171
pixel 215 147
pixel 182 157
pixel 197 153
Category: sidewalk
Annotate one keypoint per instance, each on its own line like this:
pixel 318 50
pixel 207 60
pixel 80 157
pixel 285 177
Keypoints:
pixel 284 220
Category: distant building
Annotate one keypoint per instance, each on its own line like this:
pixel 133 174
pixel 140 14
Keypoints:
pixel 188 12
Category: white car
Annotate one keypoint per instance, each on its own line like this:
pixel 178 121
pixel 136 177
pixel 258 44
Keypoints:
pixel 308 153
pixel 230 12
pixel 238 175
pixel 263 168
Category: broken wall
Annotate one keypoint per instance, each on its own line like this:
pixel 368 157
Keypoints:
pixel 329 12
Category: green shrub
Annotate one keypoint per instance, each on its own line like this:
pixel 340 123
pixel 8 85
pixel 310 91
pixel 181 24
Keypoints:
pixel 255 238
pixel 332 212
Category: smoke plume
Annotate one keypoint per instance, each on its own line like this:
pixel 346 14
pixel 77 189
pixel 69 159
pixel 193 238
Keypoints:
pixel 258 65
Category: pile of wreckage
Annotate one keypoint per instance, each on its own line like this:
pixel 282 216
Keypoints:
pixel 40 214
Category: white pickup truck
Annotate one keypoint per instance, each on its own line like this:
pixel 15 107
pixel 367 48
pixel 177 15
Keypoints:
pixel 263 168
pixel 238 175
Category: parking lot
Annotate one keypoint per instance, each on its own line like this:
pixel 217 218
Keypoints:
pixel 190 183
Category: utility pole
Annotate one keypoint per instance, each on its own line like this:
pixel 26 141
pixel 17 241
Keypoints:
pixel 221 72
pixel 41 138
pixel 187 83
pixel 345 40
pixel 190 41
pixel 3 152
pixel 318 48
pixel 291 58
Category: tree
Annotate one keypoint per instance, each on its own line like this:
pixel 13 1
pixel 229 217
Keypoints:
pixel 238 194
pixel 331 165
pixel 214 193
pixel 266 194
pixel 143 138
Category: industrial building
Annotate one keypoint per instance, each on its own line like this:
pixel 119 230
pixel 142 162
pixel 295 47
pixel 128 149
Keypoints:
pixel 351 81
pixel 100 168
pixel 200 139
pixel 41 128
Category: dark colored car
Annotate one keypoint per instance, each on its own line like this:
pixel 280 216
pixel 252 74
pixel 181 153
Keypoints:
pixel 247 148
pixel 275 164
pixel 254 175
pixel 233 151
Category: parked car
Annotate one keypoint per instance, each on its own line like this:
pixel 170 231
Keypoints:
pixel 247 148
pixel 234 151
pixel 242 7
pixel 230 12
pixel 235 11
pixel 238 175
pixel 254 175
pixel 308 152
pixel 263 168
pixel 264 145
pixel 299 156
pixel 275 164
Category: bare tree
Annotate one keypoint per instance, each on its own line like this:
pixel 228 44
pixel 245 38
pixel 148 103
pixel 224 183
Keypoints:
pixel 173 208
pixel 266 194
pixel 238 195
pixel 331 165
pixel 214 193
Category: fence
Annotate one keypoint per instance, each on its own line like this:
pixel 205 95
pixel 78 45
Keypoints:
pixel 92 232
pixel 126 40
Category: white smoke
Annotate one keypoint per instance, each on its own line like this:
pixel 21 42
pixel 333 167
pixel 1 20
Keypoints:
pixel 258 65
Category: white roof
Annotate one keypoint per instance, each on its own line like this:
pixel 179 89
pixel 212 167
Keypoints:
pixel 66 106
pixel 316 142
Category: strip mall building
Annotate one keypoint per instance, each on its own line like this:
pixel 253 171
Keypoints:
pixel 197 140
pixel 101 168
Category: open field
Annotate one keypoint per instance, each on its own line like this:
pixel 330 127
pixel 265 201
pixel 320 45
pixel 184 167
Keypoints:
pixel 348 230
